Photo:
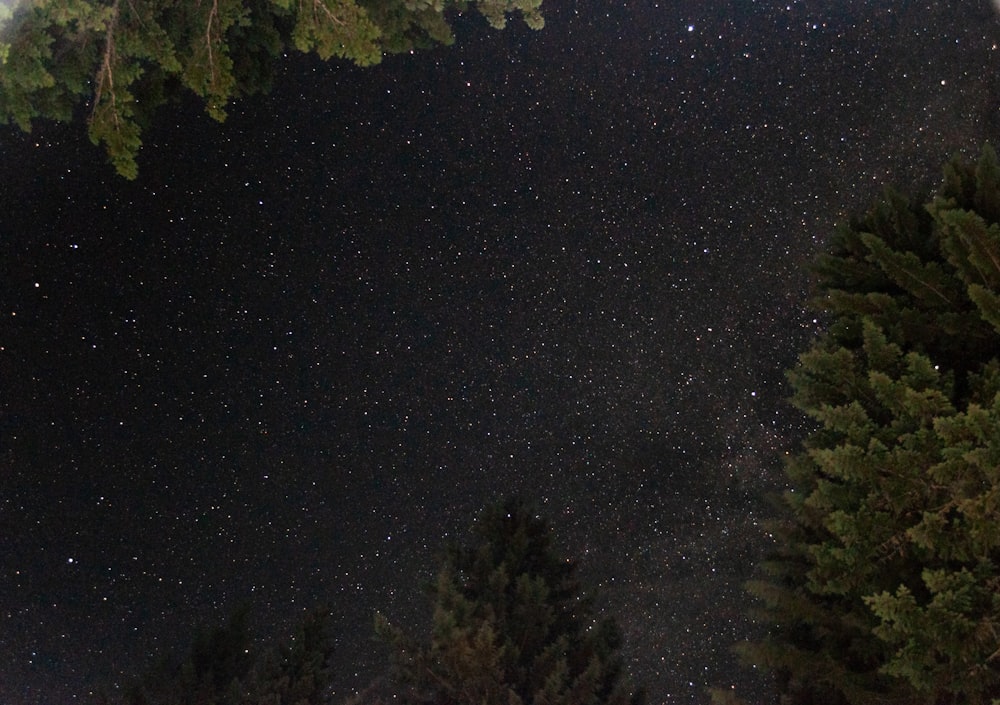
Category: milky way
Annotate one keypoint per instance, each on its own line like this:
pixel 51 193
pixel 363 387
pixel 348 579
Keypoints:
pixel 305 347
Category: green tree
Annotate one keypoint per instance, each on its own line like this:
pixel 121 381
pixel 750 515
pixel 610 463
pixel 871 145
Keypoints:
pixel 885 586
pixel 125 58
pixel 510 625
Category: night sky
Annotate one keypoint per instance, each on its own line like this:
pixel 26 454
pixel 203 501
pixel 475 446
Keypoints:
pixel 307 346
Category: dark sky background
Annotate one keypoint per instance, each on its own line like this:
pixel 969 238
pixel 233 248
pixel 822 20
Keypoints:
pixel 305 347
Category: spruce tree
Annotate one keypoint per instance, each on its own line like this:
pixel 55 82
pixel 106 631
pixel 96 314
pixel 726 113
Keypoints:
pixel 511 625
pixel 885 585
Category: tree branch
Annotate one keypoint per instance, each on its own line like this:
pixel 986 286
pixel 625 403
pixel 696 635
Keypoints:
pixel 320 5
pixel 213 15
pixel 105 74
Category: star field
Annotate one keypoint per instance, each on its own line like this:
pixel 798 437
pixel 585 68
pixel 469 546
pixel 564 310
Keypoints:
pixel 306 346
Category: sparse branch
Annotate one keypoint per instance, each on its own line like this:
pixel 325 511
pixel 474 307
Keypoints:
pixel 105 78
pixel 318 7
pixel 213 16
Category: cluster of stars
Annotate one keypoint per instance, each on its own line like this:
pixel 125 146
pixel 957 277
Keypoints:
pixel 569 264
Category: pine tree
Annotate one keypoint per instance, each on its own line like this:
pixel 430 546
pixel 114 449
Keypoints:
pixel 296 672
pixel 885 587
pixel 224 666
pixel 213 672
pixel 511 625
pixel 125 58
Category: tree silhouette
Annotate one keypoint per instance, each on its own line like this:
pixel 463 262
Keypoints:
pixel 224 666
pixel 296 672
pixel 213 672
pixel 510 625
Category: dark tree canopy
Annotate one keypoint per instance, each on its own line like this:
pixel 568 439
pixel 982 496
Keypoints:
pixel 124 58
pixel 886 584
pixel 510 626
pixel 224 666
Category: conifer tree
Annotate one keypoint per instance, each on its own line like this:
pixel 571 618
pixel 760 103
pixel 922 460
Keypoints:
pixel 296 672
pixel 225 667
pixel 213 672
pixel 125 58
pixel 885 587
pixel 510 626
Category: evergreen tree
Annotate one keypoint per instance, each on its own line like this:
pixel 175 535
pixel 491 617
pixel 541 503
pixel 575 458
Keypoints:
pixel 124 58
pixel 298 672
pixel 224 667
pixel 214 671
pixel 510 626
pixel 885 587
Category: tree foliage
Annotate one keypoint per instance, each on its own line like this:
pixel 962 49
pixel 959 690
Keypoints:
pixel 296 672
pixel 510 626
pixel 124 58
pixel 886 584
pixel 224 666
